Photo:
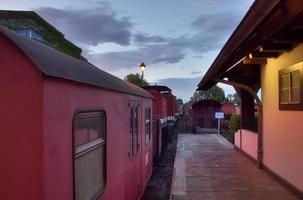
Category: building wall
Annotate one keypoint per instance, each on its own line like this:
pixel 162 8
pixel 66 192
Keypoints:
pixel 205 112
pixel 228 108
pixel 283 130
pixel 247 142
pixel 21 125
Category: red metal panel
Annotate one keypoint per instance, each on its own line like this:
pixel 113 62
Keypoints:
pixel 36 124
pixel 21 125
pixel 159 104
pixel 171 105
pixel 61 100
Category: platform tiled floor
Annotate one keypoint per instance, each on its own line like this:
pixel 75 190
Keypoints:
pixel 208 168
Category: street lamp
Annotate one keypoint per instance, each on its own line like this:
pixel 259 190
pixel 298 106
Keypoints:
pixel 142 67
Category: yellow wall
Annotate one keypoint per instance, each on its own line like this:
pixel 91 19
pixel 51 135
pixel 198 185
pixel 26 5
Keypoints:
pixel 283 130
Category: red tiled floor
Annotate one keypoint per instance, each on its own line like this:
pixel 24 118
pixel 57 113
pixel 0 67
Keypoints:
pixel 208 167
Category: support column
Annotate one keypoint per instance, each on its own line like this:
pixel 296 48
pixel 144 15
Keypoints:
pixel 247 111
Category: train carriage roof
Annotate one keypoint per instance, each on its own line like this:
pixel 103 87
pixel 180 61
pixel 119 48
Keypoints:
pixel 54 63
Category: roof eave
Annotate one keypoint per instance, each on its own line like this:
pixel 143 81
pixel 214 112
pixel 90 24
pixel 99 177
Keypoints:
pixel 251 20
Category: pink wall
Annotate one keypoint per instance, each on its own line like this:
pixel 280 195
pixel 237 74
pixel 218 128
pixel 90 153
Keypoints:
pixel 21 125
pixel 249 142
pixel 62 98
pixel 283 130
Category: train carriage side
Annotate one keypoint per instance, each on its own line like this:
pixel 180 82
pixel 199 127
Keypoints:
pixel 85 132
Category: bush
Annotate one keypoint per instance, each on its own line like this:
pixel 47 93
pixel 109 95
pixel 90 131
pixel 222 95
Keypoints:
pixel 183 126
pixel 234 124
pixel 231 126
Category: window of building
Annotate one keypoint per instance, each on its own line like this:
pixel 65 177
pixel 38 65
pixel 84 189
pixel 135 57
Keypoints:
pixel 147 125
pixel 290 86
pixel 89 154
pixel 27 32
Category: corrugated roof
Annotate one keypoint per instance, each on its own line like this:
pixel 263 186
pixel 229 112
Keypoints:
pixel 57 64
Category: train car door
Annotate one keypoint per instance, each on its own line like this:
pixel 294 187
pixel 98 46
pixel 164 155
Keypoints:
pixel 135 153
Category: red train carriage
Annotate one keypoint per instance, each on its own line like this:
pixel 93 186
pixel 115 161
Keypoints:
pixel 172 106
pixel 165 109
pixel 68 129
pixel 160 101
pixel 165 103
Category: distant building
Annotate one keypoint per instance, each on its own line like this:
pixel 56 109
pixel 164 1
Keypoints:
pixel 202 114
pixel 30 24
pixel 229 108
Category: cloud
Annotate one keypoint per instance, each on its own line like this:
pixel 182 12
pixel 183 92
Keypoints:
pixel 90 26
pixel 150 54
pixel 211 31
pixel 216 23
pixel 196 72
pixel 145 38
pixel 101 24
pixel 169 52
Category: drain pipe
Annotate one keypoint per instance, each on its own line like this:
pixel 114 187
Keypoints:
pixel 260 117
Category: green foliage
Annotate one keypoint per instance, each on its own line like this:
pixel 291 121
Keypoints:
pixel 180 101
pixel 233 98
pixel 229 97
pixel 233 126
pixel 52 38
pixel 64 45
pixel 136 79
pixel 236 99
pixel 214 93
pixel 183 125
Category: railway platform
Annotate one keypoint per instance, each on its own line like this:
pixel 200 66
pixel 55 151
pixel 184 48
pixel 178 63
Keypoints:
pixel 208 167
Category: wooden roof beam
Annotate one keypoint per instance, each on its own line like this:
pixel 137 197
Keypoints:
pixel 289 36
pixel 255 61
pixel 276 47
pixel 258 54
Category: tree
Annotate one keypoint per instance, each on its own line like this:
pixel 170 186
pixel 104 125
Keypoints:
pixel 214 93
pixel 229 98
pixel 136 79
pixel 180 101
pixel 236 99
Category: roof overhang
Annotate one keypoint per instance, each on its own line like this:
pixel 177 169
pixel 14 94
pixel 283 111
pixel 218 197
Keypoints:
pixel 265 32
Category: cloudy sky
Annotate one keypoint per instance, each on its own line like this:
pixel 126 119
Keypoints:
pixel 177 39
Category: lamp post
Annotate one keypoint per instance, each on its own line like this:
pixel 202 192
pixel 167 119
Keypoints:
pixel 142 67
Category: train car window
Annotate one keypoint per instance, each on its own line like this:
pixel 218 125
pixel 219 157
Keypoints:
pixel 147 125
pixel 136 131
pixel 89 154
pixel 131 126
pixel 134 117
